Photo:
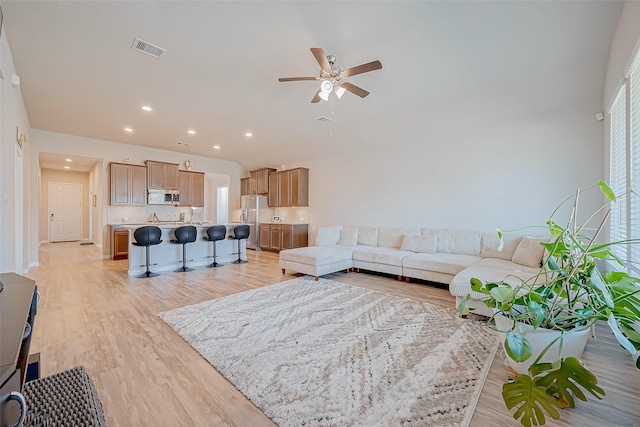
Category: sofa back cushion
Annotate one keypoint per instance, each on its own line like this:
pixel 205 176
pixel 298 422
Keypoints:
pixel 368 236
pixel 423 244
pixel 348 237
pixel 390 237
pixel 529 251
pixel 491 241
pixel 461 242
pixel 326 236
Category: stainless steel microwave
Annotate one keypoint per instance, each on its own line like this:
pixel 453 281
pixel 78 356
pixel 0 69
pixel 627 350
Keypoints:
pixel 164 197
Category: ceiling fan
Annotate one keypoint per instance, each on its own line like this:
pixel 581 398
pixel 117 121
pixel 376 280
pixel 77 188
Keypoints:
pixel 332 78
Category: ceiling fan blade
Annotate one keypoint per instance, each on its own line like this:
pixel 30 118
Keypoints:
pixel 295 79
pixel 364 68
pixel 316 97
pixel 355 89
pixel 318 52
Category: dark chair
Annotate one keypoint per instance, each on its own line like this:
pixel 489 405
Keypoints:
pixel 146 236
pixel 240 232
pixel 184 235
pixel 215 233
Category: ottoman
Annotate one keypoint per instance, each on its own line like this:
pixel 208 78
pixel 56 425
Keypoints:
pixel 317 260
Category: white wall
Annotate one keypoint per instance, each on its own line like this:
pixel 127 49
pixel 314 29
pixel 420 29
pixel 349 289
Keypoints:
pixel 15 170
pixel 109 151
pixel 503 175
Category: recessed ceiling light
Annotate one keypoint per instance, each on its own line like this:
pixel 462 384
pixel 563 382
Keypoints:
pixel 191 132
pixel 128 129
pixel 67 160
pixel 66 167
pixel 248 134
pixel 147 108
pixel 216 147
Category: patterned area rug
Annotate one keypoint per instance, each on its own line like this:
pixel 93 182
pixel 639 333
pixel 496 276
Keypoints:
pixel 324 353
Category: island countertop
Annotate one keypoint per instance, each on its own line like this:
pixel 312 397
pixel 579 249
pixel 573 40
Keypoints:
pixel 168 256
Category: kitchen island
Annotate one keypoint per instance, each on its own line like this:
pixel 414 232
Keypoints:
pixel 167 256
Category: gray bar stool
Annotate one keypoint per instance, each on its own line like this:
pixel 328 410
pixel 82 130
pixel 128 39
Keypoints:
pixel 184 235
pixel 147 236
pixel 240 232
pixel 214 234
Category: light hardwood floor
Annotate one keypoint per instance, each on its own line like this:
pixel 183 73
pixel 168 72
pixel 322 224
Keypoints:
pixel 93 314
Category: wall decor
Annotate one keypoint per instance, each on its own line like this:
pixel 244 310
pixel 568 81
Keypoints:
pixel 20 137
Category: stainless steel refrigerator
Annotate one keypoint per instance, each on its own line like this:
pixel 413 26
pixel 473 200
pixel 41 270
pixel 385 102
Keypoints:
pixel 255 209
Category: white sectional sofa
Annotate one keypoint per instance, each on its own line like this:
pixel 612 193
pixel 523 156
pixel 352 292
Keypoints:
pixel 446 256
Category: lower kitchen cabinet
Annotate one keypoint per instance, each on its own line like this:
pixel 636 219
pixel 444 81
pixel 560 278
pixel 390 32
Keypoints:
pixel 275 237
pixel 120 244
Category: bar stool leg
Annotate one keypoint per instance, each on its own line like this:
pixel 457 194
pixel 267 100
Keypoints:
pixel 184 267
pixel 215 262
pixel 147 273
pixel 239 260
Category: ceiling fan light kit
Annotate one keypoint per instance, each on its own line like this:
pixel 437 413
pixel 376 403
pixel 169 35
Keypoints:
pixel 331 77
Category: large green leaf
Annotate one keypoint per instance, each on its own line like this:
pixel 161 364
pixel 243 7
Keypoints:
pixel 595 282
pixel 532 401
pixel 538 311
pixel 567 377
pixel 607 191
pixel 517 347
pixel 503 293
pixel 624 341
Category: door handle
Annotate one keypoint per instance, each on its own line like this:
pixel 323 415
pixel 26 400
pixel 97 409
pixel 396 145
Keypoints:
pixel 14 395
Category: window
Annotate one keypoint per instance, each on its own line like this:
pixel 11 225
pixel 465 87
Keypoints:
pixel 625 163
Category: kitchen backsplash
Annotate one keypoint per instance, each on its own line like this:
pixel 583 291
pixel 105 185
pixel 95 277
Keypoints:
pixel 142 214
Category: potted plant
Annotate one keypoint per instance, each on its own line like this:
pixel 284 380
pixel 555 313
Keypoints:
pixel 567 296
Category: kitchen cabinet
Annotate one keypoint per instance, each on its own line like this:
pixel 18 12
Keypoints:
pixel 276 237
pixel 161 175
pixel 191 186
pixel 244 187
pixel 120 244
pixel 289 188
pixel 128 184
pixel 257 182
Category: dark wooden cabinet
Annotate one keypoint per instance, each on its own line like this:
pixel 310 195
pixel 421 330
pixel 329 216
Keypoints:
pixel 120 244
pixel 257 182
pixel 18 301
pixel 275 237
pixel 161 175
pixel 191 186
pixel 289 188
pixel 128 184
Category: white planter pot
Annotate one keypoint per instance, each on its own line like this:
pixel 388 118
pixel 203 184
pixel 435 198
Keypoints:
pixel 573 343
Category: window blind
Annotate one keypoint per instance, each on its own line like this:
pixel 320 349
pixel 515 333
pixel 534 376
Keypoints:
pixel 618 168
pixel 634 136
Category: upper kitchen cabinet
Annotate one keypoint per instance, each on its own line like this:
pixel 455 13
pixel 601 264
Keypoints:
pixel 128 184
pixel 244 187
pixel 289 188
pixel 161 175
pixel 191 186
pixel 257 183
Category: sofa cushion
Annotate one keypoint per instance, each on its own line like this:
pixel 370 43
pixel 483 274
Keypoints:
pixel 491 270
pixel 380 255
pixel 389 237
pixel 317 255
pixel 348 237
pixel 368 236
pixel 529 251
pixel 491 241
pixel 461 242
pixel 439 262
pixel 328 235
pixel 423 244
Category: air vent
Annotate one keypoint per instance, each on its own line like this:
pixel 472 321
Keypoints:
pixel 324 119
pixel 148 48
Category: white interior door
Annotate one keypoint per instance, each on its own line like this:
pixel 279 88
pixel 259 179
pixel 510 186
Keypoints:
pixel 65 212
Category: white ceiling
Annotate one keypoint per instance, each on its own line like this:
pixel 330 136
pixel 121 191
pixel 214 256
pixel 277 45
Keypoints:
pixel 445 64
